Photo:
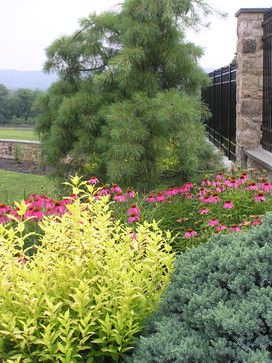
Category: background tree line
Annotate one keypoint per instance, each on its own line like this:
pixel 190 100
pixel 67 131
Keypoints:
pixel 17 107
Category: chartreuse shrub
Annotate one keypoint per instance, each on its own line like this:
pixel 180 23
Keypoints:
pixel 86 290
pixel 218 306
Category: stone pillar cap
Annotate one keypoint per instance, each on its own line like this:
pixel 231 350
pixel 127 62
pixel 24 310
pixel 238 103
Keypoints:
pixel 251 10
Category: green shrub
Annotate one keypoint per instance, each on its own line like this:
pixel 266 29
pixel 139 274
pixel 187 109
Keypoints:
pixel 218 306
pixel 127 107
pixel 86 291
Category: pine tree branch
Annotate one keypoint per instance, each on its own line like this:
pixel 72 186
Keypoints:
pixel 92 69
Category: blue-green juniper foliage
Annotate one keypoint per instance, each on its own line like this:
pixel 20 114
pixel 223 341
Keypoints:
pixel 218 307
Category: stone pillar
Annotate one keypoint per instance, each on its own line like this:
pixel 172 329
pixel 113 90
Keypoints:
pixel 249 81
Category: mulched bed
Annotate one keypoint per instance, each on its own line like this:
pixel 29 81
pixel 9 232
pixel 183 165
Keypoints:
pixel 23 167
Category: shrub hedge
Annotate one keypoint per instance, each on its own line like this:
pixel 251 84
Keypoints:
pixel 217 307
pixel 86 290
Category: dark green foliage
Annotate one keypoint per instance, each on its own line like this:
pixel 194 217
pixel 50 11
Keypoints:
pixel 218 305
pixel 17 107
pixel 129 95
pixel 5 104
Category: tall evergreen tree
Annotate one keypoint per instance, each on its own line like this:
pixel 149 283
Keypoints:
pixel 128 104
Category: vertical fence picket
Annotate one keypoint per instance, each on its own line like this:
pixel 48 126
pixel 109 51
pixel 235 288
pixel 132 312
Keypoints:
pixel 267 82
pixel 221 126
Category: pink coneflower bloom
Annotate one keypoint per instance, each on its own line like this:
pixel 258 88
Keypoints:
pixel 201 192
pixel 97 196
pixel 93 180
pixel 220 189
pixel 260 197
pixel 232 183
pixel 228 204
pixel 103 191
pixel 133 218
pixel 67 201
pixel 14 212
pixel 190 233
pixel 134 210
pixel 216 183
pixel 204 211
pixel 205 182
pixel 34 212
pixel 266 186
pixel 220 228
pixel 256 222
pixel 204 198
pixel 115 189
pixel 210 199
pixel 242 179
pixel 172 191
pixel 188 186
pixel 39 202
pixel 182 190
pixel 4 208
pixel 33 197
pixel 151 199
pixel 252 186
pixel 219 176
pixel 160 197
pixel 59 207
pixel 3 219
pixel 213 222
pixel 234 228
pixel 244 175
pixel 120 198
pixel 130 193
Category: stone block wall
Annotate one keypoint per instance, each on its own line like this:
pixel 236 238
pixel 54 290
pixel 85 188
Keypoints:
pixel 25 151
pixel 249 80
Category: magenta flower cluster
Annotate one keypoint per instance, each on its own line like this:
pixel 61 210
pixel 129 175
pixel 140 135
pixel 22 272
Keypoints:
pixel 38 206
pixel 216 191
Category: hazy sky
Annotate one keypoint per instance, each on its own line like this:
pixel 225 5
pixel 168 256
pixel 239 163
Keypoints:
pixel 27 27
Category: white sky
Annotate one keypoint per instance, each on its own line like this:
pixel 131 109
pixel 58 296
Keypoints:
pixel 27 27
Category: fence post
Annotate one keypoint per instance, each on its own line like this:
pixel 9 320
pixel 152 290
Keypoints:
pixel 229 109
pixel 249 81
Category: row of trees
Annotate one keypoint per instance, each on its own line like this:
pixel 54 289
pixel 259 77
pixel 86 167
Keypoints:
pixel 127 106
pixel 17 107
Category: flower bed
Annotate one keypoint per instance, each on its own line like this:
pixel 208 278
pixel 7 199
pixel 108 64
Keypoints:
pixel 227 203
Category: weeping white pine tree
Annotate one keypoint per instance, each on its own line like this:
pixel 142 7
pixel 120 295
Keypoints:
pixel 127 106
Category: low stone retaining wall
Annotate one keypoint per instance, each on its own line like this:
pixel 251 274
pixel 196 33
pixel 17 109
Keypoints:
pixel 258 158
pixel 19 150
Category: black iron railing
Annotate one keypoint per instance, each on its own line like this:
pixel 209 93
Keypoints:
pixel 267 82
pixel 220 98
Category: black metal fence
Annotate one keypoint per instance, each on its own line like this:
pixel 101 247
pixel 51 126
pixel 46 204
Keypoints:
pixel 220 97
pixel 267 82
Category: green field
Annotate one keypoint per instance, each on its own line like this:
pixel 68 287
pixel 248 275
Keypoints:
pixel 17 186
pixel 17 133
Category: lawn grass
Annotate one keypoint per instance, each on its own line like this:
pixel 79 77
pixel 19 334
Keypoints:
pixel 17 133
pixel 17 186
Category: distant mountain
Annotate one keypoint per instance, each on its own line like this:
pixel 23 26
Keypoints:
pixel 208 70
pixel 26 79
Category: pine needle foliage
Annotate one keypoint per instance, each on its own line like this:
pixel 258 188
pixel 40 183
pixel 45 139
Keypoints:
pixel 217 307
pixel 129 95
